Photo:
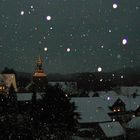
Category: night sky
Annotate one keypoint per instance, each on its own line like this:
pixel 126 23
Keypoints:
pixel 70 35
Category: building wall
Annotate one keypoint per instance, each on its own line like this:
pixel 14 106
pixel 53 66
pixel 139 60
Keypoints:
pixel 10 79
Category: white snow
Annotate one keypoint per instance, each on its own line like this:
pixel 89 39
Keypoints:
pixel 92 110
pixel 130 90
pixel 27 96
pixel 134 123
pixel 130 102
pixel 112 129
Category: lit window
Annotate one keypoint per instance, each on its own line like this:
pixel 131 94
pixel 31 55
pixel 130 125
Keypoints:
pixel 118 110
pixel 133 116
pixel 114 110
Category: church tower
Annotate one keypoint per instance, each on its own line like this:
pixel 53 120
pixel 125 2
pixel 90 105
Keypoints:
pixel 39 72
pixel 39 76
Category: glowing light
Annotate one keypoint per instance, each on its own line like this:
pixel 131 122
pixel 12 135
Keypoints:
pixel 114 110
pixel 108 98
pixel 32 6
pixel 99 69
pixel 110 31
pixel 121 76
pixel 22 13
pixel 113 120
pixel 118 110
pixel 45 49
pixel 68 49
pixel 133 116
pixel 48 17
pixel 115 6
pixel 124 41
pixel 101 80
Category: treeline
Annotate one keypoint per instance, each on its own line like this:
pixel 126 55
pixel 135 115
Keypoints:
pixel 51 117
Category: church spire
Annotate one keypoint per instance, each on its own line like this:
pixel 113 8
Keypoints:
pixel 39 72
pixel 39 63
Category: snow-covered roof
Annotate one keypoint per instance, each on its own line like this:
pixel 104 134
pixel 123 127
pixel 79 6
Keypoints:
pixel 92 110
pixel 134 123
pixel 130 102
pixel 112 129
pixel 27 96
pixel 111 92
pixel 130 90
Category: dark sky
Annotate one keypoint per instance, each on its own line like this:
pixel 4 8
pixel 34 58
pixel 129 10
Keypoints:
pixel 80 36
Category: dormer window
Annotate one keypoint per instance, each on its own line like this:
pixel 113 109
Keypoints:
pixel 118 110
pixel 118 106
pixel 114 110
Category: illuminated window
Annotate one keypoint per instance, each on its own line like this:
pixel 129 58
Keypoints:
pixel 114 110
pixel 118 110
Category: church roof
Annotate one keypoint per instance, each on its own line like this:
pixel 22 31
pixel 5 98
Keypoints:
pixel 39 73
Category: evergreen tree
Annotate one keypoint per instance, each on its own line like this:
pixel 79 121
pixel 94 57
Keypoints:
pixel 12 99
pixel 3 104
pixel 34 114
pixel 3 113
pixel 56 114
pixel 13 126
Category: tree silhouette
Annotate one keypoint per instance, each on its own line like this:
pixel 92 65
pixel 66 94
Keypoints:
pixel 9 71
pixel 12 99
pixel 55 113
pixel 52 117
pixel 3 104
